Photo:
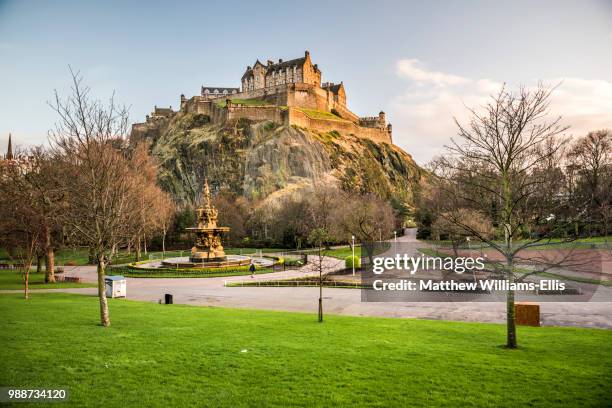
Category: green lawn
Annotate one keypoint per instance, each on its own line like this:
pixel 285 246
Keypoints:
pixel 555 243
pixel 319 114
pixel 340 253
pixel 11 279
pixel 158 355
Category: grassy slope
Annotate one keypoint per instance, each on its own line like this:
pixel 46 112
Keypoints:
pixel 555 243
pixel 320 114
pixel 13 280
pixel 157 355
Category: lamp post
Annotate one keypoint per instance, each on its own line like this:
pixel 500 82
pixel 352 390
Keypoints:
pixel 395 239
pixel 353 246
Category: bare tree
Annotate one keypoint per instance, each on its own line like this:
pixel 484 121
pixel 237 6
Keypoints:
pixel 442 226
pixel 98 180
pixel 46 199
pixel 591 158
pixel 21 222
pixel 495 169
pixel 165 210
pixel 153 206
pixel 318 237
pixel 364 216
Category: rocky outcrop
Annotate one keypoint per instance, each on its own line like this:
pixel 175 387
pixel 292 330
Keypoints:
pixel 257 159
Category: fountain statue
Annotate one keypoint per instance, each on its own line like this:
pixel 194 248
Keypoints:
pixel 207 246
pixel 207 250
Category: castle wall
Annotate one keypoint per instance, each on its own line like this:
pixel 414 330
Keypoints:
pixel 300 95
pixel 326 102
pixel 198 104
pixel 299 118
pixel 256 113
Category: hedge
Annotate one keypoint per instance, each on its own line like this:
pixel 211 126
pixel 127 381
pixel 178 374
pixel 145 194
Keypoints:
pixel 349 260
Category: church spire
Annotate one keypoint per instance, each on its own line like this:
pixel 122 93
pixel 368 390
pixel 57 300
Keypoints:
pixel 9 152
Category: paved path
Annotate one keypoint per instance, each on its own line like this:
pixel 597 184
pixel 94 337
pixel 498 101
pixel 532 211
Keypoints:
pixel 212 292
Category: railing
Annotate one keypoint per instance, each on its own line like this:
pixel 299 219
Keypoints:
pixel 12 266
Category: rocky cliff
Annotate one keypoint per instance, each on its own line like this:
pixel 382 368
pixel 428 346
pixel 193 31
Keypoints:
pixel 262 159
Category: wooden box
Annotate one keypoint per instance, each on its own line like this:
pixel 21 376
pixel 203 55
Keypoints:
pixel 527 313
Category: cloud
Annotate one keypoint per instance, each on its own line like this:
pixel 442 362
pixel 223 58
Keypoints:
pixel 423 113
pixel 411 69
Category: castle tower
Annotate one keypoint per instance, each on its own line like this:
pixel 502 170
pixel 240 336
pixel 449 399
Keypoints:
pixel 9 152
pixel 382 119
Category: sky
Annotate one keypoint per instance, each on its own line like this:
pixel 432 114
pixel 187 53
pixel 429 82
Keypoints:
pixel 423 63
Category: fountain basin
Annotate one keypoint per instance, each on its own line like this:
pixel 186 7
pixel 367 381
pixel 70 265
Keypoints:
pixel 187 262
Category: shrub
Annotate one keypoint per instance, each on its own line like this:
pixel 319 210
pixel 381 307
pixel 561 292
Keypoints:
pixel 349 260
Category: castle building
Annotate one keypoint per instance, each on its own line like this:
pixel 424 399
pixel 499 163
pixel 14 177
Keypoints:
pixel 299 70
pixel 287 92
pixel 208 92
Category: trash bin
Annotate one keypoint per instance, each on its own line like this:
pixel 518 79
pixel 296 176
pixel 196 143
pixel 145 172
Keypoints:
pixel 116 286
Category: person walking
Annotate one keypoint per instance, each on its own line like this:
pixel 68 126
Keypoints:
pixel 252 269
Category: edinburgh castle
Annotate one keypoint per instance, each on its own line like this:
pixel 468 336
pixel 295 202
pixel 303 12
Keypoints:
pixel 286 92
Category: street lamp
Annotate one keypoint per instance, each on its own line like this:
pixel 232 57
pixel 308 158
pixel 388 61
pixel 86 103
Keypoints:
pixel 395 240
pixel 353 246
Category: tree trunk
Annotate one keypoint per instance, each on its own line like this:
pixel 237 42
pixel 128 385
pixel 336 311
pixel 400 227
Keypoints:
pixel 49 258
pixel 320 288
pixel 144 243
pixel 455 247
pixel 511 341
pixel 26 288
pixel 92 257
pixel 138 249
pixel 164 245
pixel 104 317
pixel 39 261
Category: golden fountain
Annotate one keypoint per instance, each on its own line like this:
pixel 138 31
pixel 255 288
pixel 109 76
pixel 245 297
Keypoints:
pixel 207 246
pixel 207 251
